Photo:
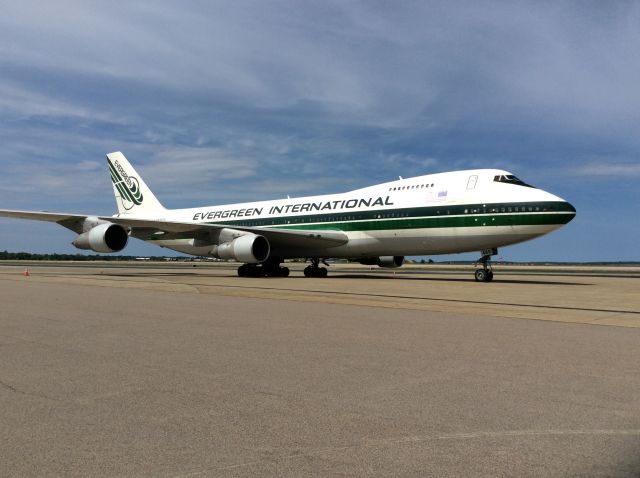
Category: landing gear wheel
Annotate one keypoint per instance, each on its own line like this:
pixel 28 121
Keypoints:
pixel 314 270
pixel 251 270
pixel 243 270
pixel 485 274
pixel 269 268
pixel 481 275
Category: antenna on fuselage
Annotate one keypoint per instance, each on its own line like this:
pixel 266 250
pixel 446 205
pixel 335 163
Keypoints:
pixel 399 177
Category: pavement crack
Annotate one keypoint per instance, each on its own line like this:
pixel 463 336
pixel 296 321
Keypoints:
pixel 22 392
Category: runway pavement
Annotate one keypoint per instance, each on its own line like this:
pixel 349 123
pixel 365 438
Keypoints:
pixel 174 370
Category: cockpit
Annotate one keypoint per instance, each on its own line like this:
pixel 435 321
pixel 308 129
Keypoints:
pixel 511 179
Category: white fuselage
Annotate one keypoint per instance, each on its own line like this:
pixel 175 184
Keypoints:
pixel 434 214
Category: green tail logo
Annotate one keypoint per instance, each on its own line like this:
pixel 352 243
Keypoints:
pixel 127 186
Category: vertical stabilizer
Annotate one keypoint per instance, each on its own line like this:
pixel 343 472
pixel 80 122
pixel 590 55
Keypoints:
pixel 133 196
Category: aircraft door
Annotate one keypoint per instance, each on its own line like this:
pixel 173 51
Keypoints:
pixel 471 184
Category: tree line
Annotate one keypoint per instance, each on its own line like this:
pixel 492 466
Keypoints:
pixel 28 256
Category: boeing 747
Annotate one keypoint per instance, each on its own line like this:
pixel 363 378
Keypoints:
pixel 459 211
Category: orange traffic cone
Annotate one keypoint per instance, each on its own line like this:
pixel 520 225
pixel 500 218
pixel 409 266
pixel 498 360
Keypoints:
pixel 26 273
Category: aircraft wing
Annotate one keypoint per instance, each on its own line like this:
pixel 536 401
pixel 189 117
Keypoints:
pixel 150 228
pixel 70 221
pixel 304 239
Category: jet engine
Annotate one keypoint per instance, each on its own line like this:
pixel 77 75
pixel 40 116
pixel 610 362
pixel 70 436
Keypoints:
pixel 106 237
pixel 249 248
pixel 383 261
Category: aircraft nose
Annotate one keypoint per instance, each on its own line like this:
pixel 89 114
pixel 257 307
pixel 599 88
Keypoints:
pixel 569 210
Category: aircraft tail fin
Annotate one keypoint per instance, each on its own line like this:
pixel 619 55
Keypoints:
pixel 133 196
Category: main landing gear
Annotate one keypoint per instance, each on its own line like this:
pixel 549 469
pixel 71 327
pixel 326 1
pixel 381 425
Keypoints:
pixel 269 268
pixel 485 274
pixel 314 270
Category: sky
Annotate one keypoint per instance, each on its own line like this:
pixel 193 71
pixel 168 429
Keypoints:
pixel 228 101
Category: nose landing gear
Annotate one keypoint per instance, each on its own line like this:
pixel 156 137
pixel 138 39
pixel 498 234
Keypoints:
pixel 485 274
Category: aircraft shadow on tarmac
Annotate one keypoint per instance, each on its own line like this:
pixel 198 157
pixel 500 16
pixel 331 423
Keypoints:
pixel 457 279
pixel 336 276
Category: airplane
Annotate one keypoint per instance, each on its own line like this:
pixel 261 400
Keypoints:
pixel 443 213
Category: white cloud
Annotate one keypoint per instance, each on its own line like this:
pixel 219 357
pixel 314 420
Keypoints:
pixel 182 166
pixel 413 161
pixel 367 63
pixel 607 169
pixel 88 165
pixel 24 103
pixel 20 101
pixel 46 181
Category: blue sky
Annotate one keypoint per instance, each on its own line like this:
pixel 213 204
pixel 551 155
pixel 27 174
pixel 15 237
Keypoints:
pixel 218 102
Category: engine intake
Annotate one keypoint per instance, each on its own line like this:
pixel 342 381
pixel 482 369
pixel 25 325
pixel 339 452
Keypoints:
pixel 384 261
pixel 106 237
pixel 249 248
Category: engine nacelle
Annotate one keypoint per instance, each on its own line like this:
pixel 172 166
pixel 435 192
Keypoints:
pixel 249 248
pixel 383 261
pixel 106 237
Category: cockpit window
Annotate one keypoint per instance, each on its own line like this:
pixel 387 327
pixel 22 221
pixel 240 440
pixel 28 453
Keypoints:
pixel 511 179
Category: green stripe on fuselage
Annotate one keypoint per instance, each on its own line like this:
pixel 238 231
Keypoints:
pixel 498 211
pixel 466 215
pixel 519 219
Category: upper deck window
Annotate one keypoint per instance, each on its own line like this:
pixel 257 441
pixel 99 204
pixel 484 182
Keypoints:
pixel 511 179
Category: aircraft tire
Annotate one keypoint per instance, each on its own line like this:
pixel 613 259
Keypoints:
pixel 311 271
pixel 481 275
pixel 250 270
